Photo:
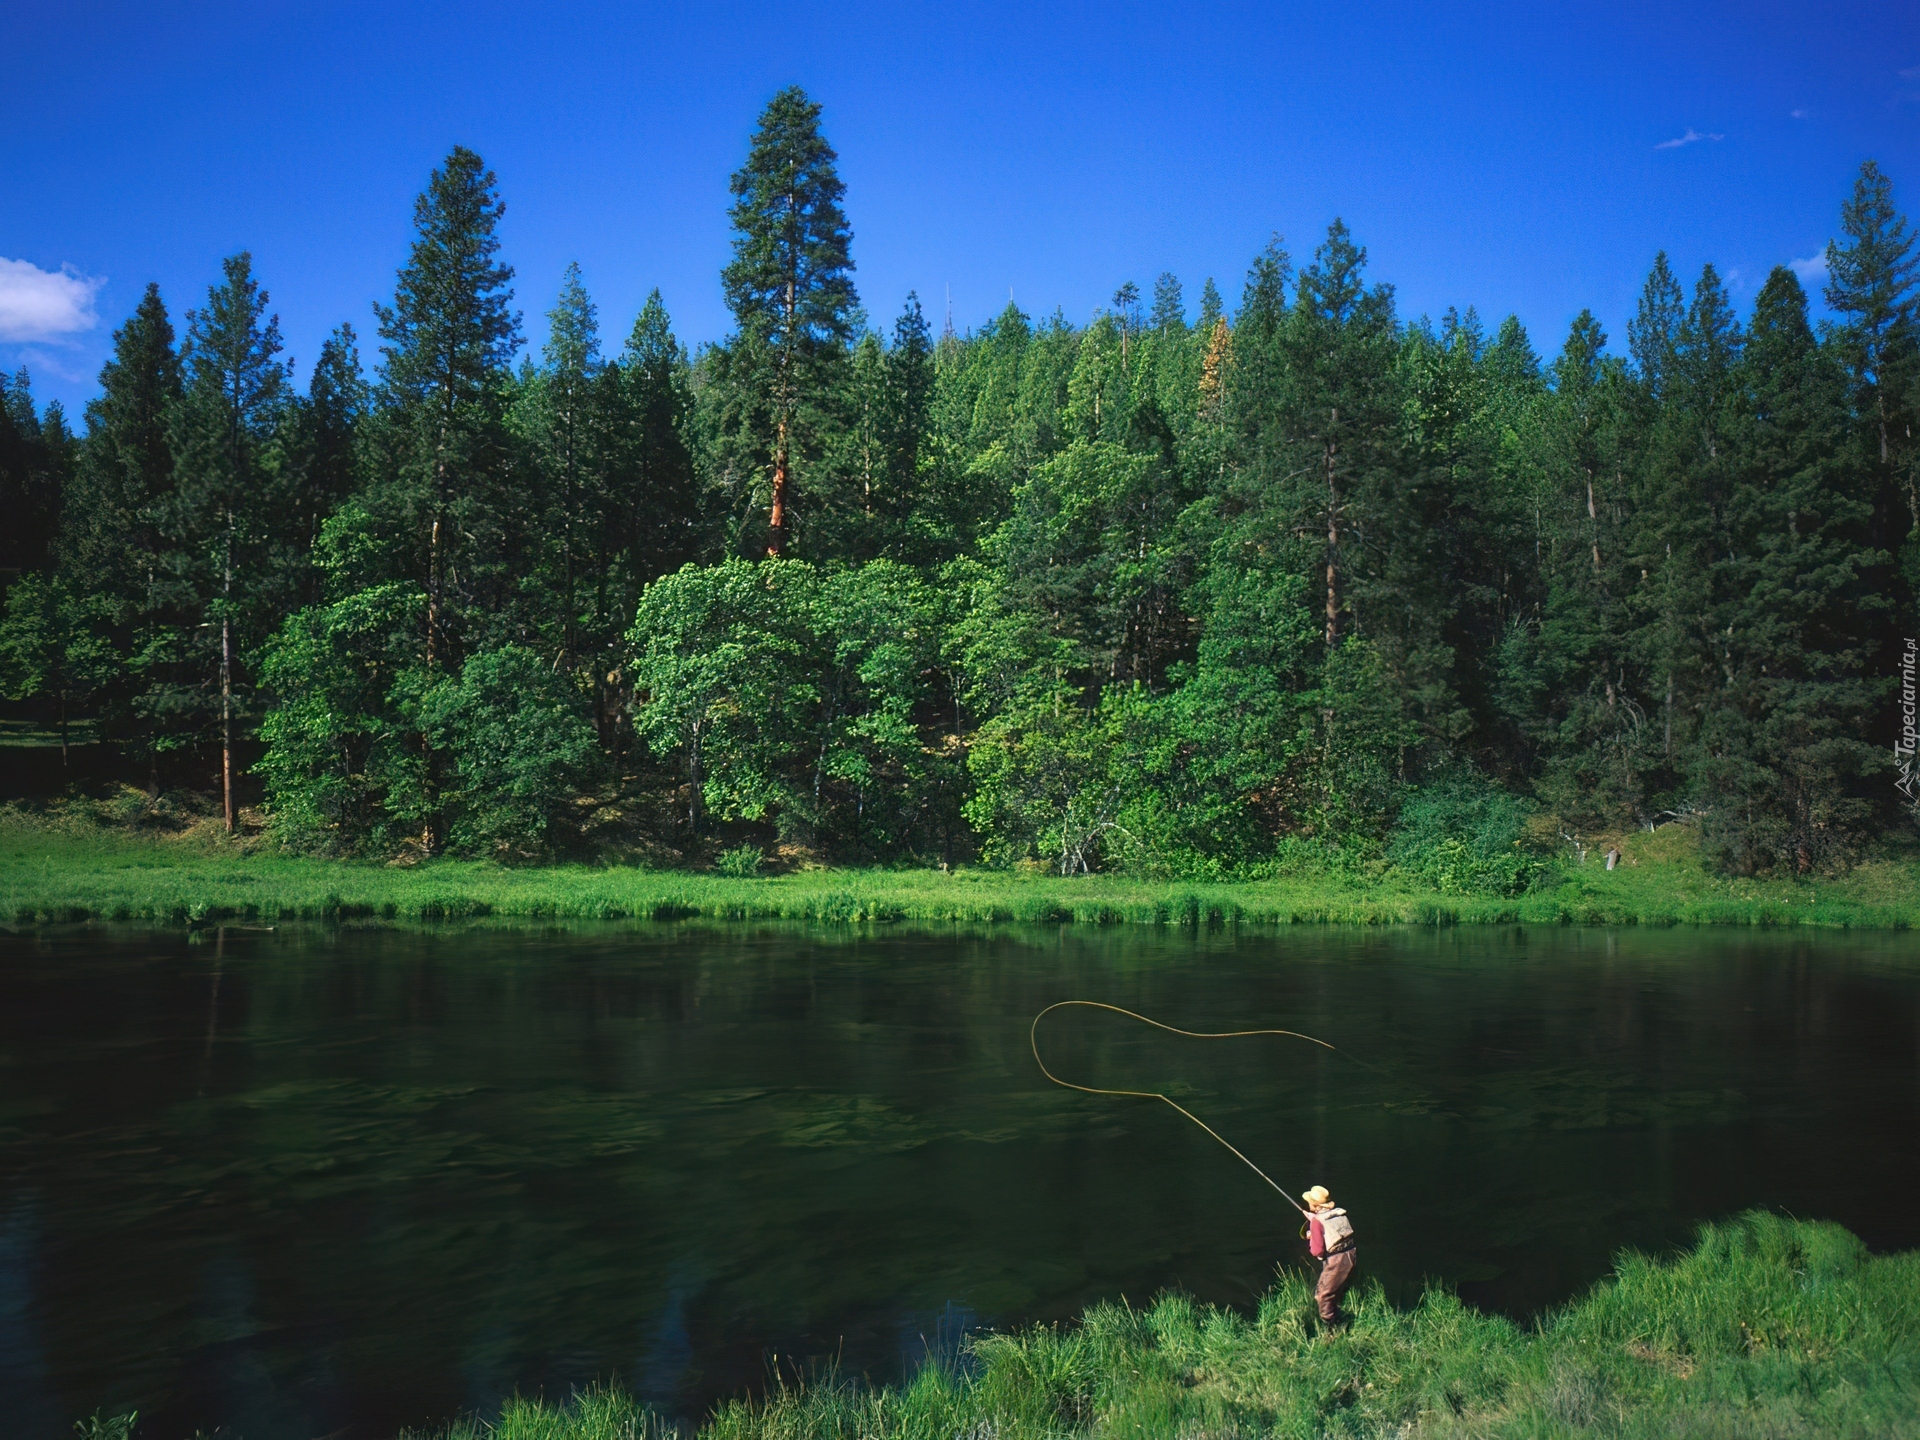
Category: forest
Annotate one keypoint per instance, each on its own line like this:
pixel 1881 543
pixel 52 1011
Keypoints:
pixel 1190 590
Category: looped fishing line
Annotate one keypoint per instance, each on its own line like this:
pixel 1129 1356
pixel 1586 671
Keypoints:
pixel 1033 1039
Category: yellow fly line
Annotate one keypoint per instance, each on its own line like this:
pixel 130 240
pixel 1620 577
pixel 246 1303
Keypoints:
pixel 1033 1038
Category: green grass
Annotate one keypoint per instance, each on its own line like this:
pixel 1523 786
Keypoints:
pixel 1769 1327
pixel 53 870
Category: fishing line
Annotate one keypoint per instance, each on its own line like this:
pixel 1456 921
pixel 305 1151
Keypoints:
pixel 1033 1039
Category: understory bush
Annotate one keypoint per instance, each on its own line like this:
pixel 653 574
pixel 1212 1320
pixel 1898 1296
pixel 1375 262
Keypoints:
pixel 1463 835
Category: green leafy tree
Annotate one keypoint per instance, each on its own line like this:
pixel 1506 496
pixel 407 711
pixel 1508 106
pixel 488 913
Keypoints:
pixel 345 761
pixel 726 659
pixel 522 749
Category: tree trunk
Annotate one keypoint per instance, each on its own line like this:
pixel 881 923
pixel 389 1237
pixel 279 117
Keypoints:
pixel 1593 518
pixel 433 655
pixel 1333 543
pixel 226 683
pixel 777 521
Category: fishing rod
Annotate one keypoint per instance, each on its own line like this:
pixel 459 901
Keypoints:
pixel 1033 1039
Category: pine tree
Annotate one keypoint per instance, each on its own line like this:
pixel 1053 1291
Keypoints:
pixel 567 427
pixel 1169 315
pixel 35 461
pixel 1655 328
pixel 1340 412
pixel 909 395
pixel 225 507
pixel 110 544
pixel 1211 307
pixel 1785 766
pixel 654 507
pixel 1679 524
pixel 1874 285
pixel 319 460
pixel 445 482
pixel 1566 670
pixel 790 287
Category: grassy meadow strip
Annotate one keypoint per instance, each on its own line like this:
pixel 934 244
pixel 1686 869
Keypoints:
pixel 51 873
pixel 1768 1327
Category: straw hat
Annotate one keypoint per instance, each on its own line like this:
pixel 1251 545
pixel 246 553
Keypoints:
pixel 1317 1198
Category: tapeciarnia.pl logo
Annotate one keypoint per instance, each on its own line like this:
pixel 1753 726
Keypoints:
pixel 1903 748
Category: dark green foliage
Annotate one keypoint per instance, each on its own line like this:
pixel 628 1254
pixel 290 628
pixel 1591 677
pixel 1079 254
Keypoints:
pixel 36 466
pixel 1784 760
pixel 1212 600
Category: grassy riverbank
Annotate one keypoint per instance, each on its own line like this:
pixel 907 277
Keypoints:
pixel 52 871
pixel 1768 1328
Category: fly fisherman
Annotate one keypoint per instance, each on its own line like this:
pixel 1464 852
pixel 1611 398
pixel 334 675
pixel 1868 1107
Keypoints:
pixel 1330 1238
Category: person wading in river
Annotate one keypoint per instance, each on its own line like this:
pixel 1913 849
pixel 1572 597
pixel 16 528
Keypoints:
pixel 1330 1238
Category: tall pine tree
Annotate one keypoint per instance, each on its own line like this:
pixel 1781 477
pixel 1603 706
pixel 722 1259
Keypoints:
pixel 790 287
pixel 445 484
pixel 226 508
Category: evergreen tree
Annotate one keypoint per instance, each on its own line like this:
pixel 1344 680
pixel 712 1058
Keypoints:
pixel 1211 308
pixel 1169 314
pixel 443 493
pixel 1785 767
pixel 1874 285
pixel 36 459
pixel 790 287
pixel 320 454
pixel 1654 330
pixel 226 508
pixel 1679 523
pixel 1339 410
pixel 1566 675
pixel 111 544
pixel 909 381
pixel 654 505
pixel 567 425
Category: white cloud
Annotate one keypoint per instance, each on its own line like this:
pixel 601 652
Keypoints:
pixel 1912 72
pixel 1687 139
pixel 1798 114
pixel 1813 268
pixel 38 304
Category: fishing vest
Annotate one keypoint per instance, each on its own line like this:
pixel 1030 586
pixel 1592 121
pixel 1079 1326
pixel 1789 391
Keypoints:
pixel 1337 1229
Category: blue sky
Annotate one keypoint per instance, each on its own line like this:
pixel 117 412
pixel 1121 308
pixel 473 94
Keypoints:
pixel 1518 159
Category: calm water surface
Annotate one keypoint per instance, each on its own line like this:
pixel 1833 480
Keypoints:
pixel 333 1182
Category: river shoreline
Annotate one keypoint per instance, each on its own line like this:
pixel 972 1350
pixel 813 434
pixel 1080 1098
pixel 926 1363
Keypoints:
pixel 1768 1326
pixel 57 874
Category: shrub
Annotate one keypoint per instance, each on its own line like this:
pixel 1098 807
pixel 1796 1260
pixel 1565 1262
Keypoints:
pixel 741 863
pixel 1463 835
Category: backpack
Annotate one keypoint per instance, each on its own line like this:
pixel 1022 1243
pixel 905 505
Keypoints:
pixel 1337 1229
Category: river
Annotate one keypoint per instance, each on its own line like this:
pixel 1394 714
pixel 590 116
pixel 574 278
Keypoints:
pixel 336 1181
